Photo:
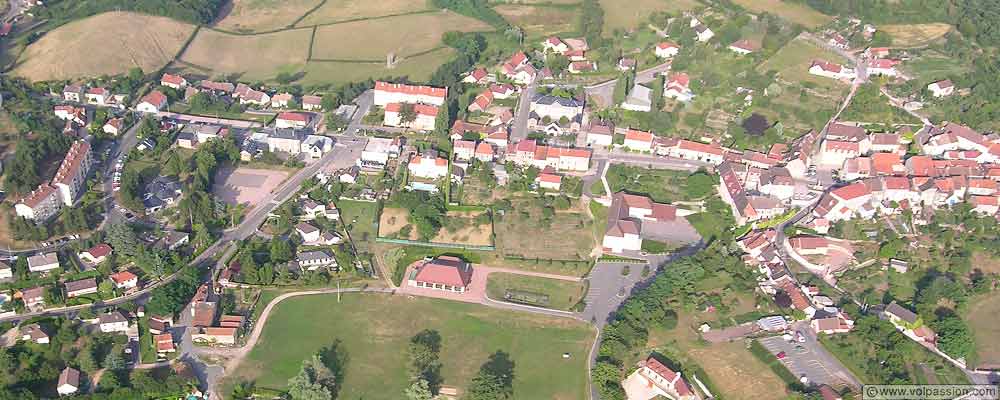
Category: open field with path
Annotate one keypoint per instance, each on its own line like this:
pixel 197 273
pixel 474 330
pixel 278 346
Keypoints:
pixel 793 60
pixel 374 330
pixel 795 12
pixel 540 21
pixel 257 56
pixel 246 185
pixel 915 35
pixel 417 68
pixel 105 44
pixel 264 15
pixel 404 35
pixel 628 14
pixel 342 10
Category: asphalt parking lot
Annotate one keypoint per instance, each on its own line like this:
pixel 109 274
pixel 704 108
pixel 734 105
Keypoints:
pixel 802 360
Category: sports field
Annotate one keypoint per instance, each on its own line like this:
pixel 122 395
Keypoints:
pixel 343 10
pixel 539 21
pixel 793 60
pixel 374 330
pixel 264 15
pixel 915 35
pixel 254 56
pixel 628 14
pixel 403 36
pixel 795 12
pixel 105 44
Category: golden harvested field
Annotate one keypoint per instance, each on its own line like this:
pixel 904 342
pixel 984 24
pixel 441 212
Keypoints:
pixel 915 35
pixel 539 20
pixel 264 15
pixel 109 43
pixel 793 60
pixel 404 35
pixel 797 13
pixel 417 68
pixel 257 56
pixel 628 14
pixel 343 10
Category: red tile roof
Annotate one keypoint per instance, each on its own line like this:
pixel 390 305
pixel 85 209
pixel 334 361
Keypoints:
pixel 639 136
pixel 445 270
pixel 851 191
pixel 484 148
pixel 827 66
pixel 294 116
pixel 71 164
pixel 36 196
pixel 667 45
pixel 100 250
pixel 172 79
pixel 155 98
pixel 123 276
pixel 411 89
pixel 420 109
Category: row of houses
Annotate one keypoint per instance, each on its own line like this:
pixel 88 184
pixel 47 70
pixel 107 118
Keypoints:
pixel 242 92
pixel 63 190
pixel 98 96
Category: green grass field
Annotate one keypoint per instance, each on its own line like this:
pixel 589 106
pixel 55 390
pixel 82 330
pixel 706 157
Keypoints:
pixel 522 233
pixel 563 295
pixel 793 60
pixel 540 21
pixel 796 13
pixel 374 331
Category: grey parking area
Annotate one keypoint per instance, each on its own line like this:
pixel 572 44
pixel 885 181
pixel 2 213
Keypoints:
pixel 802 359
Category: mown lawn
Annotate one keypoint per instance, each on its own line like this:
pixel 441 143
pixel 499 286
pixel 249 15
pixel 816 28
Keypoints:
pixel 562 295
pixel 374 331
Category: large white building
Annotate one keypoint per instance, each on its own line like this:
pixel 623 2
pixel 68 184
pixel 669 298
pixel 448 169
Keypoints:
pixel 72 173
pixel 378 151
pixel 428 166
pixel 386 93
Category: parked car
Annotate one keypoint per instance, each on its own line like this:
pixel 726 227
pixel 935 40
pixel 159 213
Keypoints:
pixel 781 355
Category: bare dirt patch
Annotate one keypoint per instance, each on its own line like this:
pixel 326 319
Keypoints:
pixel 105 44
pixel 246 185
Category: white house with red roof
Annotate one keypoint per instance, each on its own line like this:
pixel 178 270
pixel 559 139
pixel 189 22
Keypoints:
pixel 839 323
pixel 445 273
pixel 883 67
pixel 666 49
pixel 702 33
pixel 72 172
pixel 114 126
pixel 98 96
pixel 464 150
pixel 482 101
pixel 711 153
pixel 678 87
pixel 579 67
pixel 484 152
pixel 293 120
pixel 744 47
pixel 548 179
pixel 97 254
pixel 428 166
pixel 476 76
pixel 502 90
pixel 831 70
pixel 281 100
pixel 986 205
pixel 39 205
pixel 653 379
pixel 76 115
pixel 173 81
pixel 877 52
pixel 632 218
pixel 836 40
pixel 528 153
pixel 125 280
pixel 426 116
pixel 843 203
pixel 638 140
pixel 942 88
pixel 387 93
pixel 152 102
pixel 555 44
pixel 312 103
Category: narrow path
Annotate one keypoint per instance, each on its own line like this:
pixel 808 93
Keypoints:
pixel 489 270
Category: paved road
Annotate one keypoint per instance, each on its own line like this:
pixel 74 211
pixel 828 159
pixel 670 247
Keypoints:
pixel 14 8
pixel 520 129
pixel 646 160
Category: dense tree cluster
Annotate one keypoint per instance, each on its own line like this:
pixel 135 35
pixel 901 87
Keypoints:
pixel 427 211
pixel 479 9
